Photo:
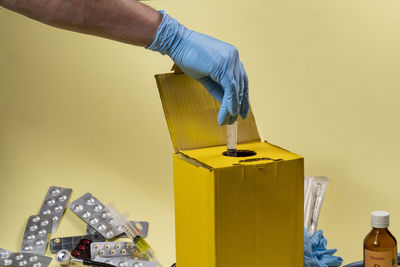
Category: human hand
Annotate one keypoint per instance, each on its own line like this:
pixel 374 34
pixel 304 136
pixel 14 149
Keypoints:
pixel 213 63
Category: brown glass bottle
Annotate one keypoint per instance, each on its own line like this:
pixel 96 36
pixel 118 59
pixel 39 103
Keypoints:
pixel 380 246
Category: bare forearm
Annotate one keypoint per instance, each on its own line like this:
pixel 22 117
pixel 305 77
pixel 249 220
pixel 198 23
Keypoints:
pixel 126 21
pixel 214 63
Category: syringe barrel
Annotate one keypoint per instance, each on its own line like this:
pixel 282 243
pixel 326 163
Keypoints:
pixel 122 219
pixel 130 231
pixel 232 136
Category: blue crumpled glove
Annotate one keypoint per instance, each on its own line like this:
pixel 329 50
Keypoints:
pixel 213 63
pixel 315 252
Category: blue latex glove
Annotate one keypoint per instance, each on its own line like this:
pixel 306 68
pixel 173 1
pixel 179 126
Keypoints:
pixel 213 63
pixel 315 252
pixel 308 258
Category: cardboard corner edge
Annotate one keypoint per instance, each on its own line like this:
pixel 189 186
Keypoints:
pixel 193 161
pixel 265 141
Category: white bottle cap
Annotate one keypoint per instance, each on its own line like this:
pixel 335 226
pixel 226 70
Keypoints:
pixel 380 219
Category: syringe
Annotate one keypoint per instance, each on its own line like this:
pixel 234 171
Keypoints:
pixel 231 130
pixel 131 232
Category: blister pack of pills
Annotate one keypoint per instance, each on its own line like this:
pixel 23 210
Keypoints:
pixel 69 243
pixel 127 262
pixel 8 258
pixel 82 250
pixel 115 250
pixel 55 203
pixel 36 234
pixel 92 211
pixel 141 226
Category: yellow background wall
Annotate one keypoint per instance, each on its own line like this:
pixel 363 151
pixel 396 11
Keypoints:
pixel 84 112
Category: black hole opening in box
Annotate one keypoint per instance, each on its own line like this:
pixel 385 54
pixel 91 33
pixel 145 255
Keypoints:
pixel 239 153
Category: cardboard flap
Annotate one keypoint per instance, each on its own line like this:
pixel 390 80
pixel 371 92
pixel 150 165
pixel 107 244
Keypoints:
pixel 191 114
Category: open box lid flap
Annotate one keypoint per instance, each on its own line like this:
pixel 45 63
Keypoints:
pixel 191 114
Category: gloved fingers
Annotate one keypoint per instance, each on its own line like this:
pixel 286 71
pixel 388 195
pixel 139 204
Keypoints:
pixel 240 83
pixel 244 107
pixel 232 119
pixel 231 97
pixel 213 88
pixel 223 115
pixel 241 90
pixel 238 77
pixel 241 78
pixel 218 93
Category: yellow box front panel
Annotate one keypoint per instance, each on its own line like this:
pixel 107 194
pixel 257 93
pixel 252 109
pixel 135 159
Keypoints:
pixel 237 214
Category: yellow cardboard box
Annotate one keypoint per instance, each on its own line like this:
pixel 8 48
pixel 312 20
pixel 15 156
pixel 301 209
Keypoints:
pixel 230 211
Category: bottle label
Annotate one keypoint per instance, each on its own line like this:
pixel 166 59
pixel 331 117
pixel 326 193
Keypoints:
pixel 379 259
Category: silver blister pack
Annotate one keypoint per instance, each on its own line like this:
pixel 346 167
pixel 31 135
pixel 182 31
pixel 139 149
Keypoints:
pixel 127 262
pixel 8 258
pixel 141 226
pixel 115 250
pixel 36 234
pixel 92 211
pixel 55 203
